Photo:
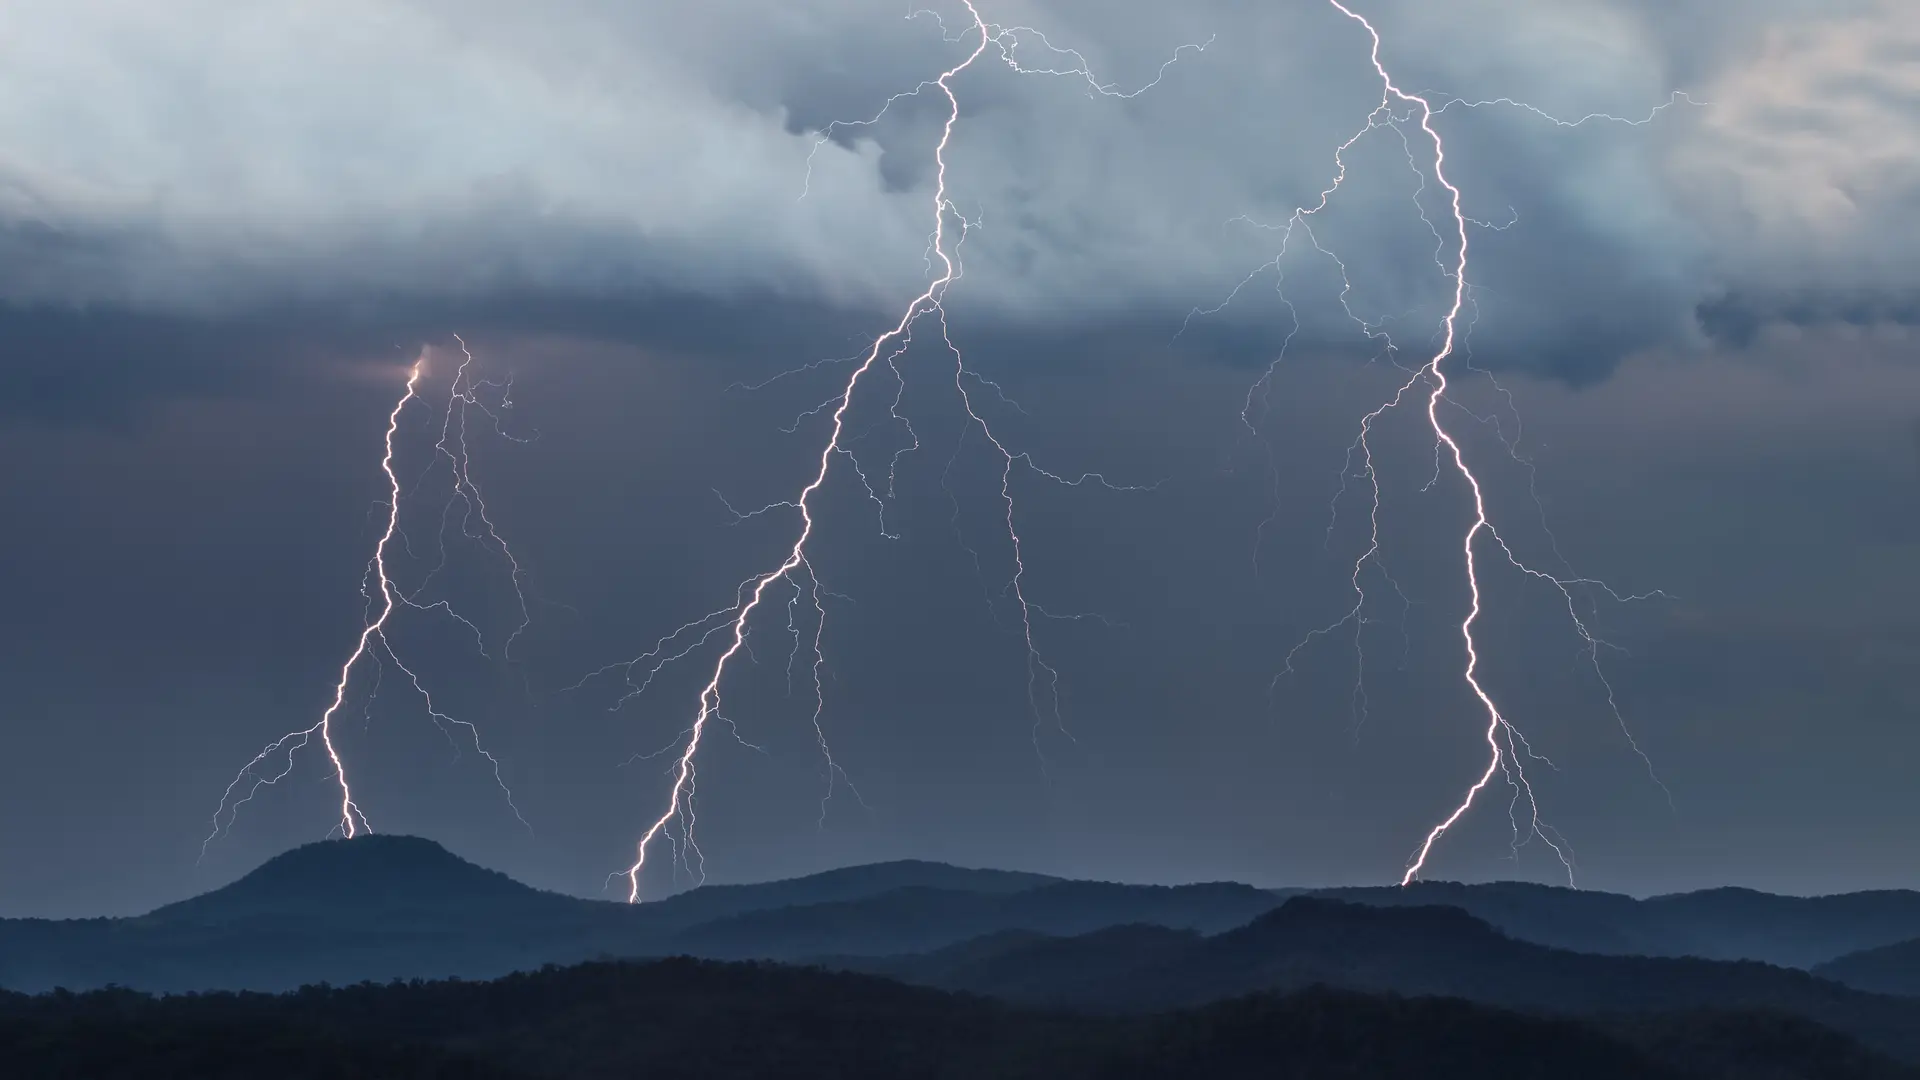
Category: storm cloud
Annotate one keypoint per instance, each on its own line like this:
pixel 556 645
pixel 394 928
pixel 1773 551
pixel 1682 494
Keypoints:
pixel 216 157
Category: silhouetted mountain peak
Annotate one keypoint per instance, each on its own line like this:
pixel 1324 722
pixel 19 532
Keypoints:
pixel 1320 916
pixel 935 875
pixel 844 885
pixel 1888 969
pixel 349 878
pixel 1530 889
pixel 1721 894
pixel 1102 891
pixel 867 879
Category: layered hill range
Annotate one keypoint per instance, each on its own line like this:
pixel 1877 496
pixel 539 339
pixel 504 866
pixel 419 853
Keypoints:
pixel 383 908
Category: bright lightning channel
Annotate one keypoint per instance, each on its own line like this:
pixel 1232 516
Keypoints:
pixel 1507 748
pixel 675 824
pixel 384 598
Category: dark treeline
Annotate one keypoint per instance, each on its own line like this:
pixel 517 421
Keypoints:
pixel 683 1019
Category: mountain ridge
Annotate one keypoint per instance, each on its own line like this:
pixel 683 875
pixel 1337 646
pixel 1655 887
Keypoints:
pixel 309 880
pixel 1885 969
pixel 1415 951
pixel 402 907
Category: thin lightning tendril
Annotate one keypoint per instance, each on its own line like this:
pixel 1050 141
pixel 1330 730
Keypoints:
pixel 1508 749
pixel 452 445
pixel 676 821
pixel 385 597
pixel 681 798
pixel 1506 745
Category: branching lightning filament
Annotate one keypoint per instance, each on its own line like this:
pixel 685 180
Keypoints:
pixel 1507 749
pixel 795 576
pixel 384 599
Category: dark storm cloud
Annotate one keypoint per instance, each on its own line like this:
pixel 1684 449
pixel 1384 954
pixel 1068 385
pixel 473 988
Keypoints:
pixel 107 365
pixel 612 152
pixel 70 366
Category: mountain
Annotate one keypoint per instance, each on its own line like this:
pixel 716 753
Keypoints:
pixel 1889 969
pixel 850 884
pixel 1039 969
pixel 1405 950
pixel 1796 931
pixel 1580 920
pixel 918 920
pixel 351 882
pixel 1716 924
pixel 685 1019
pixel 383 907
pixel 337 911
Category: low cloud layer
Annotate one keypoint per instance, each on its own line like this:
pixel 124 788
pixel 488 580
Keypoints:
pixel 215 157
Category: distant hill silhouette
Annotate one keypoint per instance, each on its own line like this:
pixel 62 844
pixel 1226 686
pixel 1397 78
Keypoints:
pixel 1408 950
pixel 845 885
pixel 697 1020
pixel 381 907
pixel 347 881
pixel 1716 924
pixel 1889 969
pixel 918 920
pixel 1041 970
pixel 388 876
pixel 1800 931
pixel 335 911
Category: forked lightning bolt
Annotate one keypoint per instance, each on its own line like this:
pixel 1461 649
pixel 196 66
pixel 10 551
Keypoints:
pixel 675 824
pixel 384 598
pixel 1508 751
pixel 463 396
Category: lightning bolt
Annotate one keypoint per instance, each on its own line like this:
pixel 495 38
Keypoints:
pixel 730 624
pixel 1508 752
pixel 462 396
pixel 1507 748
pixel 384 598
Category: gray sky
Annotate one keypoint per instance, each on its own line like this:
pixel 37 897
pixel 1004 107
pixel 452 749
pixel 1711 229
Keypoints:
pixel 227 231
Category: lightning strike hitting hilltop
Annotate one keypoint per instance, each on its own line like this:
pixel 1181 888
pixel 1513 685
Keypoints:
pixel 730 624
pixel 384 598
pixel 1507 748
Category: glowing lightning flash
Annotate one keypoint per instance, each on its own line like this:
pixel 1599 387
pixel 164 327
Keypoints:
pixel 384 598
pixel 731 623
pixel 1506 746
pixel 1508 749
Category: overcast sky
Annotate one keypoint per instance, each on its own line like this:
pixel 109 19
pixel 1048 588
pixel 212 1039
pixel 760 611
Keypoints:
pixel 226 230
